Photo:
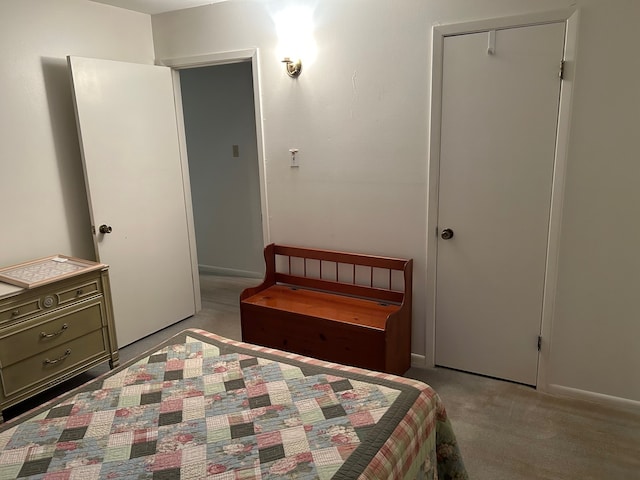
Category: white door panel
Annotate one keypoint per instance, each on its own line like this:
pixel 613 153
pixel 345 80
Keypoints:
pixel 499 116
pixel 129 140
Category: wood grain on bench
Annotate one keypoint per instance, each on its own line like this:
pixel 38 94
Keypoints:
pixel 337 306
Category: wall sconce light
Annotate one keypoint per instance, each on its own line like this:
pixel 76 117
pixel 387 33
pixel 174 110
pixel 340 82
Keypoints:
pixel 294 27
pixel 294 68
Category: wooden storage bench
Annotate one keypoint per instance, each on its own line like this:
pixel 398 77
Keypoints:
pixel 336 306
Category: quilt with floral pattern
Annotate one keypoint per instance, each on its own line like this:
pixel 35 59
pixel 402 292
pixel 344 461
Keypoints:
pixel 200 406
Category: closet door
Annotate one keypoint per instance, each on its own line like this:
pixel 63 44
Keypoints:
pixel 499 120
pixel 134 178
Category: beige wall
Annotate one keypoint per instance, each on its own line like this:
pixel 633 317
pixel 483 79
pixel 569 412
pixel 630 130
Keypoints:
pixel 359 115
pixel 44 205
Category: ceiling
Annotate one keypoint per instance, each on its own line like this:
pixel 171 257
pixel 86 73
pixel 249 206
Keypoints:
pixel 156 6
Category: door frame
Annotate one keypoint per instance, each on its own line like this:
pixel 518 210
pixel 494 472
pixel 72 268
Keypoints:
pixel 206 60
pixel 570 16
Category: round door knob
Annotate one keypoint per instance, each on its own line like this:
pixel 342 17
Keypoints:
pixel 446 233
pixel 105 229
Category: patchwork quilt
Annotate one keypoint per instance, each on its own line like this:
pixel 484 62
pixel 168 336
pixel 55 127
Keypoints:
pixel 201 406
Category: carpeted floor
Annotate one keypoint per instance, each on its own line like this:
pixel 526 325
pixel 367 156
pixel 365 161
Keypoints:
pixel 509 431
pixel 506 431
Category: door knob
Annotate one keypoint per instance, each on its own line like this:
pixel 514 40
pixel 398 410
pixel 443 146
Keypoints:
pixel 105 229
pixel 446 233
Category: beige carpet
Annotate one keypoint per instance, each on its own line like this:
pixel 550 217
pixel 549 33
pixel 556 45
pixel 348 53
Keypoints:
pixel 509 431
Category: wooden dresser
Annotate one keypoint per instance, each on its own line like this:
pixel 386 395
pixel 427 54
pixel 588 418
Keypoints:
pixel 53 331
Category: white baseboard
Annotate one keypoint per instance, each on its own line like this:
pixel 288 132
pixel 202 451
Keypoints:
pixel 600 398
pixel 419 361
pixel 228 272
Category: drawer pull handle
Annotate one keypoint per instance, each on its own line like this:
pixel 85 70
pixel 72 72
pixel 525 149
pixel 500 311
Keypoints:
pixel 15 313
pixel 51 362
pixel 79 292
pixel 54 334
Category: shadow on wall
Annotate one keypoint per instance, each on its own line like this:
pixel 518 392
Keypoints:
pixel 55 72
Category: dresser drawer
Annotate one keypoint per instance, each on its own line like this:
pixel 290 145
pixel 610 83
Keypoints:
pixel 52 363
pixel 47 331
pixel 19 309
pixel 77 292
pixel 49 297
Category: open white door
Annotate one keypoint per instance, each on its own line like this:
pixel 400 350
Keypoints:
pixel 130 148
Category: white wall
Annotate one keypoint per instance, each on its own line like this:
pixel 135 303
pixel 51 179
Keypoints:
pixel 359 186
pixel 44 205
pixel 219 112
pixel 359 115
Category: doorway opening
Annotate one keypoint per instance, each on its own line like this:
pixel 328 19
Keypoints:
pixel 230 148
pixel 222 150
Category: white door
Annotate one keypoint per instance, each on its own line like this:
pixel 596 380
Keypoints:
pixel 129 140
pixel 498 134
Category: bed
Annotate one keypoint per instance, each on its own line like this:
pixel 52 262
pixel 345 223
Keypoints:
pixel 202 406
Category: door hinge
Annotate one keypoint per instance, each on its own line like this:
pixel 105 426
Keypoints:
pixel 561 73
pixel 539 342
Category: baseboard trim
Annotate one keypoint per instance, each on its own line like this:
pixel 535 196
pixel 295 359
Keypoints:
pixel 600 398
pixel 419 361
pixel 228 272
